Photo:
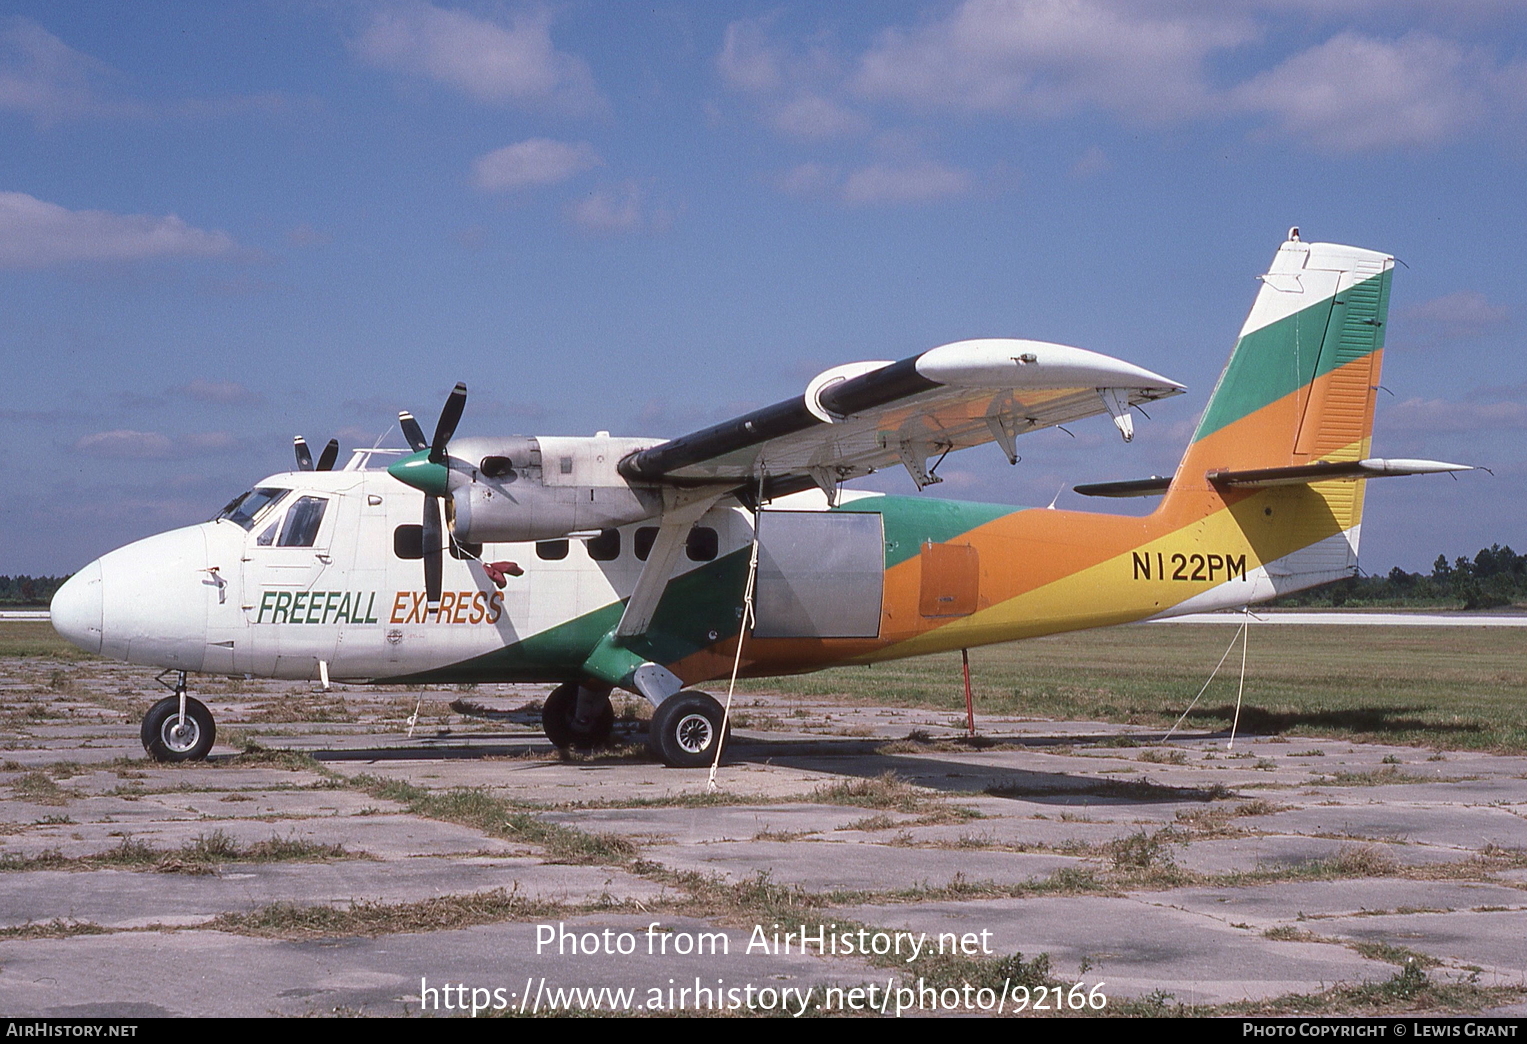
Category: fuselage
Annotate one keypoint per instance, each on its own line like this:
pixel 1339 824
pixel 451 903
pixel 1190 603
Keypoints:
pixel 320 572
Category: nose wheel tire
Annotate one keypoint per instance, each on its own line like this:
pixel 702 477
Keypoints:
pixel 559 720
pixel 686 729
pixel 167 738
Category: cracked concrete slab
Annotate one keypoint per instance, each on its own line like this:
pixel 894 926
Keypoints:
pixel 1180 867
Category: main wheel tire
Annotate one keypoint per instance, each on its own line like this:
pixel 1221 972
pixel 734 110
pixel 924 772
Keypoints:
pixel 166 739
pixel 559 721
pixel 686 728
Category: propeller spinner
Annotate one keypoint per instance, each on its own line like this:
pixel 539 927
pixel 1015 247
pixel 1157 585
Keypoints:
pixel 427 469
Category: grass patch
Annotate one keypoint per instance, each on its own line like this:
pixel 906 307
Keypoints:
pixel 255 755
pixel 891 793
pixel 1163 757
pixel 499 817
pixel 201 855
pixel 40 789
pixel 441 913
pixel 54 929
pixel 1456 688
pixel 1378 777
pixel 1409 990
pixel 37 638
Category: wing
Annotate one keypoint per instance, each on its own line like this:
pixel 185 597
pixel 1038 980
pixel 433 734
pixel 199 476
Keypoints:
pixel 856 419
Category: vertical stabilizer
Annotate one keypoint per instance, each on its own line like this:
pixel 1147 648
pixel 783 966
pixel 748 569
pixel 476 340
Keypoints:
pixel 1299 388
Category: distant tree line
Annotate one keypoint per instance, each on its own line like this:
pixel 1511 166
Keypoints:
pixel 32 591
pixel 1495 577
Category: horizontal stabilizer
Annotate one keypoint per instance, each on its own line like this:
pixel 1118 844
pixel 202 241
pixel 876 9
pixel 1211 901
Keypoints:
pixel 1328 471
pixel 1151 487
pixel 1322 471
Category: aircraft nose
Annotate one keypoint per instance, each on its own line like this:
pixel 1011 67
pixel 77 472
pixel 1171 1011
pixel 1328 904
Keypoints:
pixel 76 608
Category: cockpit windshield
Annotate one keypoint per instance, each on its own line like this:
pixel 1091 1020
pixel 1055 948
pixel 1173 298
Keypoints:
pixel 244 508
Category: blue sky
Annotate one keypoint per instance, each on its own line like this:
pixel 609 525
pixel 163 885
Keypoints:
pixel 223 224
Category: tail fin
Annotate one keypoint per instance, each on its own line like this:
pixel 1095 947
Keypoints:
pixel 1298 389
pixel 1300 385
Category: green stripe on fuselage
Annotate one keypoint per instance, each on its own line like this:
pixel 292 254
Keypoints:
pixel 910 522
pixel 696 604
pixel 700 607
pixel 1286 355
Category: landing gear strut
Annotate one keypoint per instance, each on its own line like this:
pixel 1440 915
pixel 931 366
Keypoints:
pixel 578 718
pixel 178 727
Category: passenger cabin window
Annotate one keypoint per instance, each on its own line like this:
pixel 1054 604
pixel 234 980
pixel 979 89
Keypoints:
pixel 606 546
pixel 551 550
pixel 243 509
pixel 408 542
pixel 462 551
pixel 702 544
pixel 645 538
pixel 302 522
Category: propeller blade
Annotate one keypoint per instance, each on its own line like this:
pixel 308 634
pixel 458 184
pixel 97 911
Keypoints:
pixel 449 418
pixel 304 455
pixel 329 455
pixel 411 431
pixel 433 548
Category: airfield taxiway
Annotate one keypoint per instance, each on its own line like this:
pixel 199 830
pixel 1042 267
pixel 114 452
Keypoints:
pixel 378 865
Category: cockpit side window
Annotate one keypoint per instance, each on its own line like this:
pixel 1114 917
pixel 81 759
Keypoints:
pixel 302 522
pixel 243 509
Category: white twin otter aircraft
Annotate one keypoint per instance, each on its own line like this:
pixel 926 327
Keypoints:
pixel 653 565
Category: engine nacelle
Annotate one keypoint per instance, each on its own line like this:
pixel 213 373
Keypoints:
pixel 543 488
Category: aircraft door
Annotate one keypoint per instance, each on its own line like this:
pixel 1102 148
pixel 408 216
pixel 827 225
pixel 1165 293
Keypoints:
pixel 360 555
pixel 227 623
pixel 288 603
pixel 821 574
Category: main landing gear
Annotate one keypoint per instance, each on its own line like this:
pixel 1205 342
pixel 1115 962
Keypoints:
pixel 178 727
pixel 685 729
pixel 575 717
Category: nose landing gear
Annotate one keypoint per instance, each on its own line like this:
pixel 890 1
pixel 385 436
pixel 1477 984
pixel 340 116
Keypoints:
pixel 178 727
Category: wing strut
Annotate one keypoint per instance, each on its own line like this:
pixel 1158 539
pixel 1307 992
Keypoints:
pixel 611 661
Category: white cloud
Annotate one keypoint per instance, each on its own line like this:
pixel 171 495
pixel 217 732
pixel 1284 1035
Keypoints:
pixel 44 77
pixel 126 444
pixel 1458 316
pixel 1354 92
pixel 537 161
pixel 1054 57
pixel 814 116
pixel 493 63
pixel 748 61
pixel 219 392
pixel 1468 308
pixel 797 90
pixel 809 179
pixel 913 182
pixel 617 210
pixel 1442 415
pixel 36 234
pixel 1145 63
